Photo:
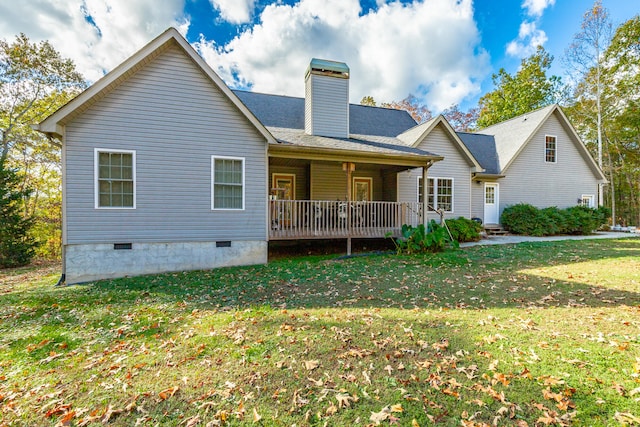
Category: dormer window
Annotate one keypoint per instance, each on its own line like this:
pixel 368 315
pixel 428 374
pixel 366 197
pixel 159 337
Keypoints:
pixel 550 148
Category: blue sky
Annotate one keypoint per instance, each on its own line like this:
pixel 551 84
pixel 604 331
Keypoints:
pixel 442 51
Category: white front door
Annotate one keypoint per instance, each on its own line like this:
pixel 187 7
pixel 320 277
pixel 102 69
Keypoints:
pixel 491 203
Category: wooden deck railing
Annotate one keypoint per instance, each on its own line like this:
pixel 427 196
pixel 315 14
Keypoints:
pixel 319 219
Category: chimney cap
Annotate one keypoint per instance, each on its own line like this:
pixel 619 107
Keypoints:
pixel 326 67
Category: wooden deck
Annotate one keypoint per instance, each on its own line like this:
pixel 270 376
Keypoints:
pixel 320 219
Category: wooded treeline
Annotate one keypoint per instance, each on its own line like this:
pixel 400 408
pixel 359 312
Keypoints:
pixel 601 98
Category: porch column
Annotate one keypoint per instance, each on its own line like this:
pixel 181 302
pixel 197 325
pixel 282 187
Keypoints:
pixel 349 167
pixel 425 207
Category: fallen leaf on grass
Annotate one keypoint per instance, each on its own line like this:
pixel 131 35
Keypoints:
pixel 165 394
pixel 256 417
pixel 378 417
pixel 626 419
pixel 192 421
pixel 66 419
pixel 311 364
pixel 53 355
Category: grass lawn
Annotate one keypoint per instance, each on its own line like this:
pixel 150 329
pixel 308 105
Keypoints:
pixel 527 335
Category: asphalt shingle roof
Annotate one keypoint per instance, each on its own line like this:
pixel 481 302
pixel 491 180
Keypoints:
pixel 512 134
pixel 483 148
pixel 288 112
pixel 367 143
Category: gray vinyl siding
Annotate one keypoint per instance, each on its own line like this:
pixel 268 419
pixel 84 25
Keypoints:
pixel 329 181
pixel 529 179
pixel 453 166
pixel 477 200
pixel 175 119
pixel 327 106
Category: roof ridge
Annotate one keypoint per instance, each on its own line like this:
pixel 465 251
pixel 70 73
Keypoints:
pixel 519 116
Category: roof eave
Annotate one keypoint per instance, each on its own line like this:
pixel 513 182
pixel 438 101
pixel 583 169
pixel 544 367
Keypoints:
pixel 333 154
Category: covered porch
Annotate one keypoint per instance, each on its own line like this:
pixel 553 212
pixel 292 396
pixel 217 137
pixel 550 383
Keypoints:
pixel 317 193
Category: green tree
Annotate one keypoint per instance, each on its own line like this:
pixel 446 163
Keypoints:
pixel 621 80
pixel 35 80
pixel 368 100
pixel 527 90
pixel 16 246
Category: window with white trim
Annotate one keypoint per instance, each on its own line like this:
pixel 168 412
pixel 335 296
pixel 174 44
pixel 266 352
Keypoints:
pixel 227 182
pixel 439 193
pixel 587 200
pixel 115 179
pixel 550 148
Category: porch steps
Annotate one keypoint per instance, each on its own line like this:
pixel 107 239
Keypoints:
pixel 495 229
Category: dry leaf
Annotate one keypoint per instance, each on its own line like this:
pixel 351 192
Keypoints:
pixel 397 408
pixel 311 364
pixel 378 417
pixel 256 417
pixel 344 400
pixel 165 394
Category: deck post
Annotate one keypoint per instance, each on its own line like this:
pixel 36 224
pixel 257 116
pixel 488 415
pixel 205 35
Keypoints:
pixel 349 167
pixel 425 191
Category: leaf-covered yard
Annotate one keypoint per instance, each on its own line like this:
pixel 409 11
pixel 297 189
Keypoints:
pixel 526 335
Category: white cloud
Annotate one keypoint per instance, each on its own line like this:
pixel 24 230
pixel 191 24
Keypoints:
pixel 529 38
pixel 536 7
pixel 234 11
pixel 430 49
pixel 96 34
pixel 529 35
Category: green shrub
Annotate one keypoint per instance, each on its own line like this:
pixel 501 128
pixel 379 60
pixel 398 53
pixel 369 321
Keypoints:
pixel 421 239
pixel 464 230
pixel 524 219
pixel 529 220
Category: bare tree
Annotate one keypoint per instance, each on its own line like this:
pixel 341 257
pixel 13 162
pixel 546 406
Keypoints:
pixel 584 58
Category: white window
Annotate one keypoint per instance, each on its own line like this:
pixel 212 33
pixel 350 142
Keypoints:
pixel 227 182
pixel 115 179
pixel 550 149
pixel 439 193
pixel 587 200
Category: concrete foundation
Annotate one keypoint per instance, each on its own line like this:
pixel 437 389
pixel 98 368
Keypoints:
pixel 84 263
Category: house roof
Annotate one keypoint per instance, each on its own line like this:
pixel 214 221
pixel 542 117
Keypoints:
pixel 54 124
pixel 367 145
pixel 513 135
pixel 483 148
pixel 416 135
pixel 288 112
